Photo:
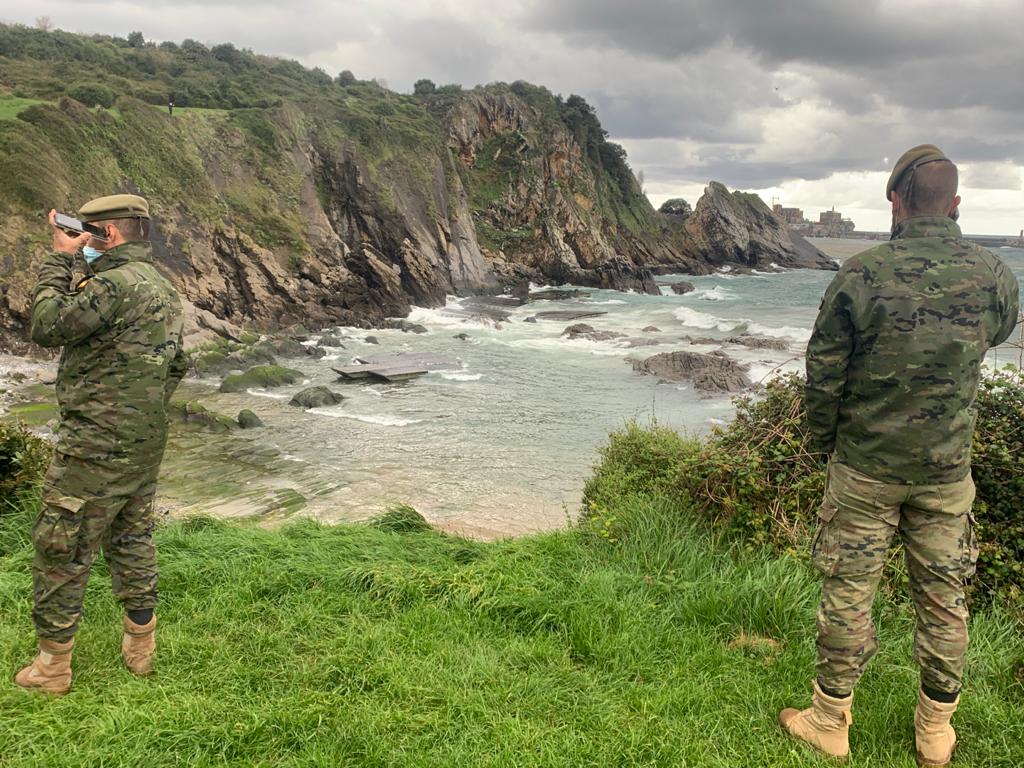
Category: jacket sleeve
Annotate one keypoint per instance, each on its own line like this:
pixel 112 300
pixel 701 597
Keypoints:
pixel 175 373
pixel 828 354
pixel 62 316
pixel 1008 292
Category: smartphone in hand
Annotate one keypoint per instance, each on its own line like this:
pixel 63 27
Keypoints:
pixel 73 226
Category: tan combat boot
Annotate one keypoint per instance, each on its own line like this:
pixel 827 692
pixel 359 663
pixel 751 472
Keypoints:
pixel 936 738
pixel 138 644
pixel 50 670
pixel 825 726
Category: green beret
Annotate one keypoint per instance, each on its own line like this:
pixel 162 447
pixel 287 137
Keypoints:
pixel 911 160
pixel 114 207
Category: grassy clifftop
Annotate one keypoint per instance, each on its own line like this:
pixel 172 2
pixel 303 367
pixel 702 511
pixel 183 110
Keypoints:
pixel 265 98
pixel 631 640
pixel 283 194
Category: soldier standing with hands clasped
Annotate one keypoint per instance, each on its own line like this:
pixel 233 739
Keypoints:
pixel 893 368
pixel 120 329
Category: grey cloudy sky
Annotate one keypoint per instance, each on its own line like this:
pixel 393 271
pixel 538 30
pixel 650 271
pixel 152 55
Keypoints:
pixel 806 100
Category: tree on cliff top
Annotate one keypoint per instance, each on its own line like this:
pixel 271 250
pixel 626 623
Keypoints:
pixel 676 206
pixel 423 87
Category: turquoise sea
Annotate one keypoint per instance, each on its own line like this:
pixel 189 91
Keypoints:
pixel 501 442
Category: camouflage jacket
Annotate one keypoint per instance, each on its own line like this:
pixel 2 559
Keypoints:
pixel 122 358
pixel 895 359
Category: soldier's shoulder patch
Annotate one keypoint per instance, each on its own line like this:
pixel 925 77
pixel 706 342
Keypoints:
pixel 83 282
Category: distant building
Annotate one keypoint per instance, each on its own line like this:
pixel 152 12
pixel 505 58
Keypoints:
pixel 793 217
pixel 829 224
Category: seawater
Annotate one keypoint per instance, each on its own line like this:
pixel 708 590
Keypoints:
pixel 502 442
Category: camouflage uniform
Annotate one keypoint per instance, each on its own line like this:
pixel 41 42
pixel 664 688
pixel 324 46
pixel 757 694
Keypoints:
pixel 892 375
pixel 122 358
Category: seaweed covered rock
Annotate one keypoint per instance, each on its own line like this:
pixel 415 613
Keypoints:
pixel 262 376
pixel 316 397
pixel 195 413
pixel 249 420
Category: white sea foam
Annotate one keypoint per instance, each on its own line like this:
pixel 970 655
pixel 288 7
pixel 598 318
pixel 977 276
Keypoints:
pixel 694 318
pixel 330 357
pixel 606 302
pixel 780 332
pixel 271 395
pixel 461 376
pixel 718 293
pixel 383 420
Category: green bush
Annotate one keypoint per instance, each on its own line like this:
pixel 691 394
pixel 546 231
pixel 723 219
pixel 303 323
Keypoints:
pixel 23 460
pixel 754 478
pixel 92 94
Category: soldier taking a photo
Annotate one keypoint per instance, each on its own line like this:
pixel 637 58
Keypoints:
pixel 893 369
pixel 120 330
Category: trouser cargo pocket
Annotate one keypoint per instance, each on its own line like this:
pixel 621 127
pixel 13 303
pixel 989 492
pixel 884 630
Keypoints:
pixel 825 547
pixel 56 531
pixel 971 550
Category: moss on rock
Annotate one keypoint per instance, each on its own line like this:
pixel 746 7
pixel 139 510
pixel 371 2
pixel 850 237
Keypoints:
pixel 265 376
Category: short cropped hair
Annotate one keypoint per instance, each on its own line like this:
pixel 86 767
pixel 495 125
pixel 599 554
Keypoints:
pixel 929 189
pixel 136 228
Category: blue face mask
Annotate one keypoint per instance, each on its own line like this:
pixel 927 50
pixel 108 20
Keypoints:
pixel 91 254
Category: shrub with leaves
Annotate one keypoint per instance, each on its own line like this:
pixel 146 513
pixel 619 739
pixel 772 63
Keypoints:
pixel 756 476
pixel 23 460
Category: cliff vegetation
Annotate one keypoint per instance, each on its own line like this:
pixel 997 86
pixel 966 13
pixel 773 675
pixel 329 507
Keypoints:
pixel 282 194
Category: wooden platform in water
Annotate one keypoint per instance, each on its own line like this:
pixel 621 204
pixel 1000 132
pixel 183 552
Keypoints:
pixel 389 373
pixel 567 315
pixel 392 368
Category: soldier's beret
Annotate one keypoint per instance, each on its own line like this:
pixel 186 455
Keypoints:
pixel 910 161
pixel 114 207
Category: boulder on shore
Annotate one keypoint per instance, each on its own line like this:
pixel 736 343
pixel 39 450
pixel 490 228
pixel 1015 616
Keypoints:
pixel 714 373
pixel 315 397
pixel 265 376
pixel 683 287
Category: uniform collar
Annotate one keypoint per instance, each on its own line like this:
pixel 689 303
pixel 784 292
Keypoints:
pixel 136 250
pixel 927 226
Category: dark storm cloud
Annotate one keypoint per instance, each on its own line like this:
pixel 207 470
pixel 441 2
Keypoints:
pixel 751 92
pixel 266 26
pixel 821 31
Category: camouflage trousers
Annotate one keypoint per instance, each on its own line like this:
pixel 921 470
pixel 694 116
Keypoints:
pixel 87 507
pixel 858 518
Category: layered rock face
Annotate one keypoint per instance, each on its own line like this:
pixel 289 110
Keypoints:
pixel 301 213
pixel 737 228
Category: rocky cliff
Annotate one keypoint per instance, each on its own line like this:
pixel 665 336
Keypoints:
pixel 738 229
pixel 338 202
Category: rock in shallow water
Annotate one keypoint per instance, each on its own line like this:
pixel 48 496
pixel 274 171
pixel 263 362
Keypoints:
pixel 261 376
pixel 248 420
pixel 316 397
pixel 683 287
pixel 584 331
pixel 760 342
pixel 715 373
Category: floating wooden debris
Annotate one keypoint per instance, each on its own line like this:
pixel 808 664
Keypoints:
pixel 558 295
pixel 394 368
pixel 567 315
pixel 425 360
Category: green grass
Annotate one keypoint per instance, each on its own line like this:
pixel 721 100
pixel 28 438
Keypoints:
pixel 10 106
pixel 632 643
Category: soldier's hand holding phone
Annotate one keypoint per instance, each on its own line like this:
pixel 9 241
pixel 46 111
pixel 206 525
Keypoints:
pixel 62 241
